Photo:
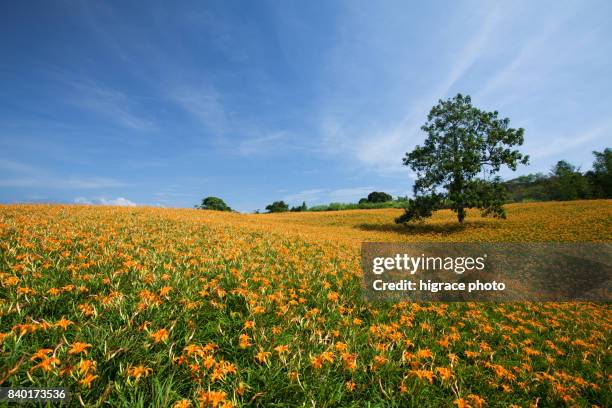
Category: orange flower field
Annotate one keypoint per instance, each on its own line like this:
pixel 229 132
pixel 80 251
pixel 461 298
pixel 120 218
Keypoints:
pixel 178 307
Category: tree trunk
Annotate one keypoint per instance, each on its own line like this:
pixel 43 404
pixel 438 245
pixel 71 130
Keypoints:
pixel 456 188
pixel 461 214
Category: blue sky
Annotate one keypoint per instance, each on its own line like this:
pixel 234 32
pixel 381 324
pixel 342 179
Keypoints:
pixel 163 103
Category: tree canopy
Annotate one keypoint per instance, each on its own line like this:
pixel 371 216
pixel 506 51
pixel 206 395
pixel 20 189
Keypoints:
pixel 462 143
pixel 277 206
pixel 379 197
pixel 214 203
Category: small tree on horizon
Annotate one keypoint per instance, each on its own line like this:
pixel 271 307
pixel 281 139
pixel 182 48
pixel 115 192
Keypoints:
pixel 379 197
pixel 462 142
pixel 214 203
pixel 376 197
pixel 277 206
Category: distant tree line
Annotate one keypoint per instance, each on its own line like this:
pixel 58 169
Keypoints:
pixel 564 182
pixel 375 199
pixel 398 202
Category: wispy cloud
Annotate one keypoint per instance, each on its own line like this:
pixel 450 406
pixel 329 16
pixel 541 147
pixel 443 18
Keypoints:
pixel 534 61
pixel 373 145
pixel 119 201
pixel 269 144
pixel 230 133
pixel 13 166
pixel 379 145
pixel 568 141
pixel 69 183
pixel 109 103
pixel 334 93
pixel 22 175
pixel 204 103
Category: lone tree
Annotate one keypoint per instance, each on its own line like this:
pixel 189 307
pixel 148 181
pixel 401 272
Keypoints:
pixel 379 197
pixel 277 206
pixel 376 197
pixel 462 141
pixel 213 203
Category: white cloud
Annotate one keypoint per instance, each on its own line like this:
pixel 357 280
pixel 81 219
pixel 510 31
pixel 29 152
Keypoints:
pixel 119 201
pixel 82 200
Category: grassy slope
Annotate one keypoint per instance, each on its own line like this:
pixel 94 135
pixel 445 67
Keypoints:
pixel 568 221
pixel 123 276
